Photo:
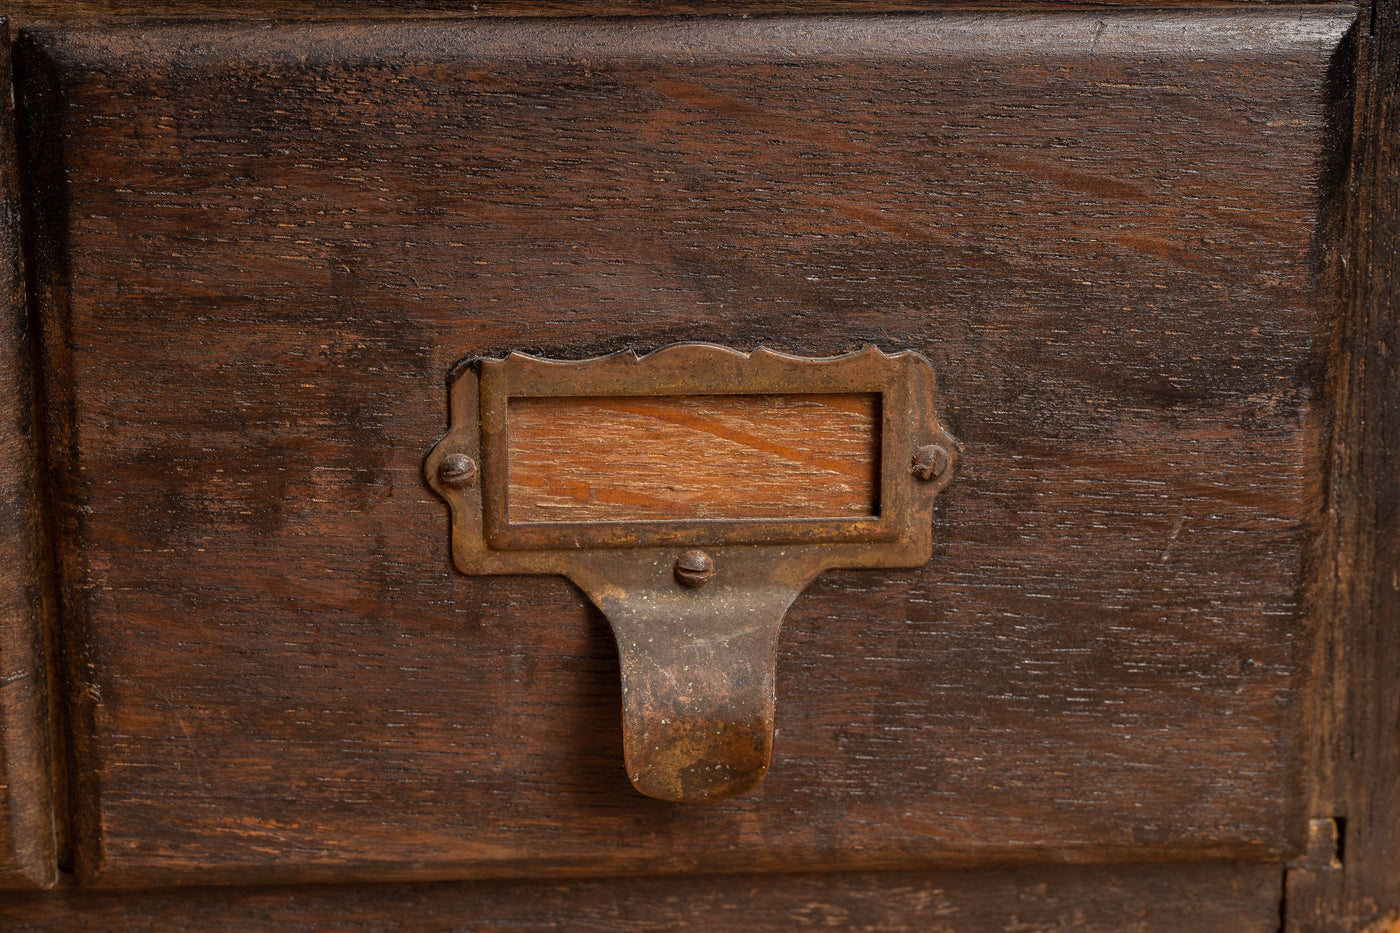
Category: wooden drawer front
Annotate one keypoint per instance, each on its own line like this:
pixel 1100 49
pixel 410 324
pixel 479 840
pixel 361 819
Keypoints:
pixel 261 251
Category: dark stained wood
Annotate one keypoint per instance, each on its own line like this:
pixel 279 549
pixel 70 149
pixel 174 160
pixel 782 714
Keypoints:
pixel 261 252
pixel 693 457
pixel 1205 898
pixel 34 12
pixel 27 856
pixel 1359 728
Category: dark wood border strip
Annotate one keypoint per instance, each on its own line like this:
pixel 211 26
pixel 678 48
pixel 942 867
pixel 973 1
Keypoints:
pixel 27 857
pixel 1359 725
pixel 1208 897
pixel 38 12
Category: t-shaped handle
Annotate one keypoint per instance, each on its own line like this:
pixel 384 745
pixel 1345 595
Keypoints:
pixel 693 493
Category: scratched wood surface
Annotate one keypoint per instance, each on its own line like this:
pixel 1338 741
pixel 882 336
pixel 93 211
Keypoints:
pixel 1358 723
pixel 32 12
pixel 693 457
pixel 1209 898
pixel 260 252
pixel 27 856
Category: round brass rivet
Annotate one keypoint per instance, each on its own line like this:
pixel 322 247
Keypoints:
pixel 457 471
pixel 930 462
pixel 694 568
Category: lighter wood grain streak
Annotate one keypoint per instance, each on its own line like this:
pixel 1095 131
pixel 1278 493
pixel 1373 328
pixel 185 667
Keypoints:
pixel 693 458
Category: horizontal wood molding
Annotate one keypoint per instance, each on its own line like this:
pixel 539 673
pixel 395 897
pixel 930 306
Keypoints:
pixel 33 12
pixel 1205 898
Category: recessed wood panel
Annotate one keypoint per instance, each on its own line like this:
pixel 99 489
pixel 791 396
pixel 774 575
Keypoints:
pixel 688 458
pixel 267 249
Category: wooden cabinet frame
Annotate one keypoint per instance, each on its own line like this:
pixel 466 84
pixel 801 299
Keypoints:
pixel 1348 881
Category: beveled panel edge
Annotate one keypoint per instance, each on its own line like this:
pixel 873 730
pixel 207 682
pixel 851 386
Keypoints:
pixel 1237 32
pixel 28 849
pixel 1352 881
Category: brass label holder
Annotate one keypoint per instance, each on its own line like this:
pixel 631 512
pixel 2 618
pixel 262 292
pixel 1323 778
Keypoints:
pixel 695 603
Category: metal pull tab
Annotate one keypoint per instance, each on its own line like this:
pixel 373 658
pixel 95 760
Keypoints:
pixel 825 463
pixel 697 672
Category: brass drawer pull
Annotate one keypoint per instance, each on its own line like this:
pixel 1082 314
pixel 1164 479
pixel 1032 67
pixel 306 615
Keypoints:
pixel 692 494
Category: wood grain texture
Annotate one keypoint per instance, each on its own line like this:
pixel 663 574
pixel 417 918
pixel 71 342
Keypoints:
pixel 1207 898
pixel 261 251
pixel 1360 723
pixel 37 12
pixel 693 457
pixel 26 824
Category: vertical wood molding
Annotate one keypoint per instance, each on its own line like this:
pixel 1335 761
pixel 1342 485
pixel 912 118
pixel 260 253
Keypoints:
pixel 1360 721
pixel 26 822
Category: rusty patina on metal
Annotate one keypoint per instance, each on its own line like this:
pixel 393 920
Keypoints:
pixel 695 606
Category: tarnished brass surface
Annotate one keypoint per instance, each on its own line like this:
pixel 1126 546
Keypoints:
pixel 695 606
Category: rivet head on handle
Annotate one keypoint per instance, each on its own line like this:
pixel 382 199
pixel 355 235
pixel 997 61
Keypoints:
pixel 457 471
pixel 930 462
pixel 694 568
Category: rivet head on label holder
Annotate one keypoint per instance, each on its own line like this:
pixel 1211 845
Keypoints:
pixel 930 462
pixel 457 471
pixel 694 568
